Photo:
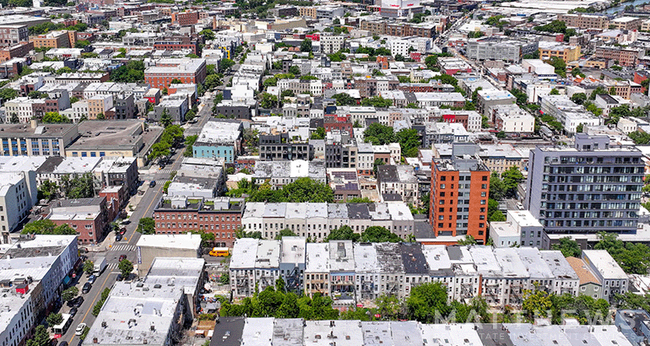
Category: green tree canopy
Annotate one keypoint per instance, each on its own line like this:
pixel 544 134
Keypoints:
pixel 377 234
pixel 568 246
pixel 146 225
pixel 379 134
pixel 46 226
pixel 343 233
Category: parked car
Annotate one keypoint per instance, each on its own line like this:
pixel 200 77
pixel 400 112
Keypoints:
pixel 122 258
pixel 80 329
pixel 118 237
pixel 78 301
pixel 152 183
pixel 91 279
pixel 86 288
pixel 73 311
pixel 63 343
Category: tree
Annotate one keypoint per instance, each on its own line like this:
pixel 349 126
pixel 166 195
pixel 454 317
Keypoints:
pixel 497 216
pixel 536 303
pixel 497 187
pixel 409 141
pixel 377 163
pixel 598 91
pixel 132 72
pixel 54 319
pixel 305 45
pixel 568 246
pixel 511 179
pixel 469 240
pixel 55 118
pixel 146 225
pixel 165 118
pixel 7 94
pixel 580 128
pixel 101 116
pixel 285 233
pixel 190 115
pixel 427 300
pixel 301 190
pixel 344 99
pixel 225 64
pixel 208 34
pixel 41 337
pixel 69 294
pixel 343 233
pixel 63 70
pixel 319 133
pixel 378 234
pixel 189 144
pixel 46 226
pixel 48 190
pixel 212 82
pixel 554 92
pixel 14 118
pixel 634 258
pixel 289 307
pixel 579 98
pixel 125 267
pixel 379 134
pixel 559 64
pixel 376 101
pixel 269 101
pixel 89 267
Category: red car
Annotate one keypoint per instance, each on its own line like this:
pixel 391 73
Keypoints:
pixel 122 258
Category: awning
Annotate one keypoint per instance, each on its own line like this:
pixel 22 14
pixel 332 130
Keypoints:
pixel 66 280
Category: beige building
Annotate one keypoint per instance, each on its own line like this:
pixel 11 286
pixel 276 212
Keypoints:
pixel 166 245
pixel 566 53
pixel 627 23
pixel 99 104
pixel 55 39
pixel 584 21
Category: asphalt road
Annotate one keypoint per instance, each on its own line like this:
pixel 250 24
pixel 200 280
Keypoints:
pixel 127 247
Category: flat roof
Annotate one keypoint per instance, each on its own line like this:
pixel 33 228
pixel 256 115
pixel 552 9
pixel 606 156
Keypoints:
pixel 102 134
pixel 605 264
pixel 244 253
pixel 186 241
pixel 317 258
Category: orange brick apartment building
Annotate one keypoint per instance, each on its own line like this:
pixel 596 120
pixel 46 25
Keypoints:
pixel 459 198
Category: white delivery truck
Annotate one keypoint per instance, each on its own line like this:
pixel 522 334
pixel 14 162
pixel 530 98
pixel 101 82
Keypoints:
pixel 100 265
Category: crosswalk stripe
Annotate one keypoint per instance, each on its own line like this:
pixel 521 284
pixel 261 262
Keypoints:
pixel 112 266
pixel 123 247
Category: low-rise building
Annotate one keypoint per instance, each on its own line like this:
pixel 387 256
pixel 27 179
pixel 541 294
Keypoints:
pixel 33 272
pixel 316 220
pixel 221 216
pixel 153 311
pixel 400 180
pixel 219 139
pixel 609 273
pixel 280 173
pixel 90 217
pixel 36 140
pixel 182 245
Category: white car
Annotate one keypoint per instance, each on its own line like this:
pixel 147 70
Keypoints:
pixel 80 329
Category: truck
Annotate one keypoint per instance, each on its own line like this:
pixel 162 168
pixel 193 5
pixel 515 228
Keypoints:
pixel 100 264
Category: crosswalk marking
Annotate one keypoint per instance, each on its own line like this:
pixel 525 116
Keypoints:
pixel 113 266
pixel 123 247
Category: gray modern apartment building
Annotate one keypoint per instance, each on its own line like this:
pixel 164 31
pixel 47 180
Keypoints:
pixel 497 49
pixel 586 189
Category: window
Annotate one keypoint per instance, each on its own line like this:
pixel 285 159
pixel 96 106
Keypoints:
pixel 484 178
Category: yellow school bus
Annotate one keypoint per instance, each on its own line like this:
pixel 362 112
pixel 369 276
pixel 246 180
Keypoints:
pixel 220 252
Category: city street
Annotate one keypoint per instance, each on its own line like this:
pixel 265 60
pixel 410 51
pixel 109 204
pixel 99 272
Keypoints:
pixel 127 246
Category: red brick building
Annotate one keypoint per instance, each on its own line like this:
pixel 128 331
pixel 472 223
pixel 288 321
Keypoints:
pixel 185 70
pixel 459 198
pixel 341 123
pixel 178 43
pixel 220 216
pixel 185 18
pixel 88 216
pixel 16 51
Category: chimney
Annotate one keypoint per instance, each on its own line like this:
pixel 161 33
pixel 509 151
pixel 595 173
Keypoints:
pixel 33 123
